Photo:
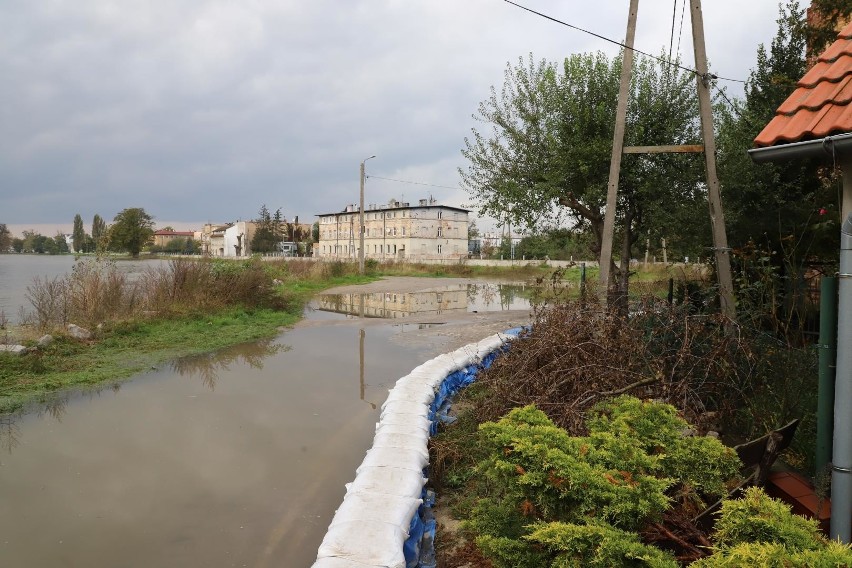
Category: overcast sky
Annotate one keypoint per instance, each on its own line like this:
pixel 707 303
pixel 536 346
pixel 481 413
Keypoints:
pixel 202 110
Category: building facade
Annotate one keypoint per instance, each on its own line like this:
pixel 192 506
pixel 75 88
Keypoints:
pixel 399 231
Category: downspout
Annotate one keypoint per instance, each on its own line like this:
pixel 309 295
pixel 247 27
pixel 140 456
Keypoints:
pixel 841 476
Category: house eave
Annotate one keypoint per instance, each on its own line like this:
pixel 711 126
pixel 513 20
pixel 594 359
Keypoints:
pixel 828 147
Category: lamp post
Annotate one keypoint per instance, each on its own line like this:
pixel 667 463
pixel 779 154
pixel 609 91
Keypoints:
pixel 361 216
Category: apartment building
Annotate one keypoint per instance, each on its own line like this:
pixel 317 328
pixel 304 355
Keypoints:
pixel 398 230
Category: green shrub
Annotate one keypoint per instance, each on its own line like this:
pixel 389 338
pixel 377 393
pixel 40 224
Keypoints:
pixel 768 555
pixel 597 546
pixel 756 517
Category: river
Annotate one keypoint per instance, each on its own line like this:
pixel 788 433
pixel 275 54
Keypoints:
pixel 237 458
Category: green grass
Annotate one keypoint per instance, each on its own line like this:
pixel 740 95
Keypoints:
pixel 122 349
pixel 126 349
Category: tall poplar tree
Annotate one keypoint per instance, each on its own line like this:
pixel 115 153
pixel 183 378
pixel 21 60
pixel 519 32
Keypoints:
pixel 78 234
pixel 98 232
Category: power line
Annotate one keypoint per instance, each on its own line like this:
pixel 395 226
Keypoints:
pixel 618 43
pixel 414 182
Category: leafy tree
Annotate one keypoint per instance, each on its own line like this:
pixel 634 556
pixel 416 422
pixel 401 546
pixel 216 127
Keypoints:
pixel 545 152
pixel 18 244
pixel 267 233
pixel 785 212
pixel 556 244
pixel 472 230
pixel 60 245
pixel 99 232
pixel 78 234
pixel 5 238
pixel 826 16
pixel 132 228
pixel 315 231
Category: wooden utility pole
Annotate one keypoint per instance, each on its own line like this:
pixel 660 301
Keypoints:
pixel 714 194
pixel 717 218
pixel 617 148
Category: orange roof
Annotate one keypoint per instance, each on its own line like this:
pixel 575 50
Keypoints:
pixel 820 106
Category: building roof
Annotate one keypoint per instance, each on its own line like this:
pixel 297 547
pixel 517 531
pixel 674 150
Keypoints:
pixel 820 106
pixel 164 233
pixel 398 208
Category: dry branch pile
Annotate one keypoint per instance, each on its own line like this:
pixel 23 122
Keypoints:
pixel 579 353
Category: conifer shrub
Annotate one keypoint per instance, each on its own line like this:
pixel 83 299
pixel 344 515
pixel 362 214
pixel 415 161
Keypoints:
pixel 546 498
pixel 759 531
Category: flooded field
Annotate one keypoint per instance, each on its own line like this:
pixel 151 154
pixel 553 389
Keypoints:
pixel 453 298
pixel 232 459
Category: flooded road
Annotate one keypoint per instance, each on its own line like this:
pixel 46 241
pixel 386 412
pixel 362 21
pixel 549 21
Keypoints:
pixel 233 459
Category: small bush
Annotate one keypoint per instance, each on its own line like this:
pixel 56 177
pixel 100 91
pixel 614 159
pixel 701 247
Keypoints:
pixel 758 531
pixel 756 517
pixel 618 478
pixel 597 546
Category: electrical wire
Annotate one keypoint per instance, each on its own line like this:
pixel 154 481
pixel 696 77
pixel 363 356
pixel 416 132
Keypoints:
pixel 618 43
pixel 413 182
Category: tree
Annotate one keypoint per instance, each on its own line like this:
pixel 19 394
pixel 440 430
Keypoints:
pixel 545 154
pixel 472 230
pixel 60 244
pixel 131 229
pixel 78 234
pixel 99 232
pixel 266 235
pixel 823 22
pixel 786 212
pixel 5 238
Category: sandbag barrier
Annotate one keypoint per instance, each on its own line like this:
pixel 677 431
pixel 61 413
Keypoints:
pixel 385 520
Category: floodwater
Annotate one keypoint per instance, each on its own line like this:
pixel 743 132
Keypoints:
pixel 17 271
pixel 233 459
pixel 454 298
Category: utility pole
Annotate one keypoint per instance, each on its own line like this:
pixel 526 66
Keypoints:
pixel 617 149
pixel 714 194
pixel 717 218
pixel 361 220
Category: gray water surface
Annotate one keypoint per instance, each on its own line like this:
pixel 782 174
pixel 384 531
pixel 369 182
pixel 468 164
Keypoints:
pixel 237 459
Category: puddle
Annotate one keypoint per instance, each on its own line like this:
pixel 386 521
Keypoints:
pixel 239 458
pixel 456 298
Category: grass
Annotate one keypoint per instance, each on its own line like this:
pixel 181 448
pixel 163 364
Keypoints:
pixel 126 349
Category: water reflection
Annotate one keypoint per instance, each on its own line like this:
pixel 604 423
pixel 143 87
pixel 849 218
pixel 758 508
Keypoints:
pixel 207 366
pixel 455 298
pixel 9 434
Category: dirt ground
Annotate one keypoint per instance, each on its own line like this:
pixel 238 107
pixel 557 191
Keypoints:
pixel 435 333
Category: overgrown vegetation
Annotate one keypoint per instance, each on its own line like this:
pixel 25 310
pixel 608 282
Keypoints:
pixel 622 494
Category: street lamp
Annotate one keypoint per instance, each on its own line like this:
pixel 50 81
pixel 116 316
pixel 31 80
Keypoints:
pixel 361 210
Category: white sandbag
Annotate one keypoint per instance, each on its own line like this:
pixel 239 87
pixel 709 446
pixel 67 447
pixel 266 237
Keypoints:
pixel 408 394
pixel 403 441
pixel 341 563
pixel 394 457
pixel 409 428
pixel 379 507
pixel 388 480
pixel 369 542
pixel 404 407
pixel 420 422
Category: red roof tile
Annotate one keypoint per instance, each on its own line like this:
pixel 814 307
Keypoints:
pixel 822 103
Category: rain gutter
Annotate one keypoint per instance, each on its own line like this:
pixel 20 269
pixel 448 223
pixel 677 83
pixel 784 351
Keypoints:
pixel 824 147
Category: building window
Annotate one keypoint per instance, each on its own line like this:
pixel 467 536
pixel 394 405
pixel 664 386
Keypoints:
pixel 394 249
pixel 440 232
pixel 440 214
pixel 403 231
pixel 439 249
